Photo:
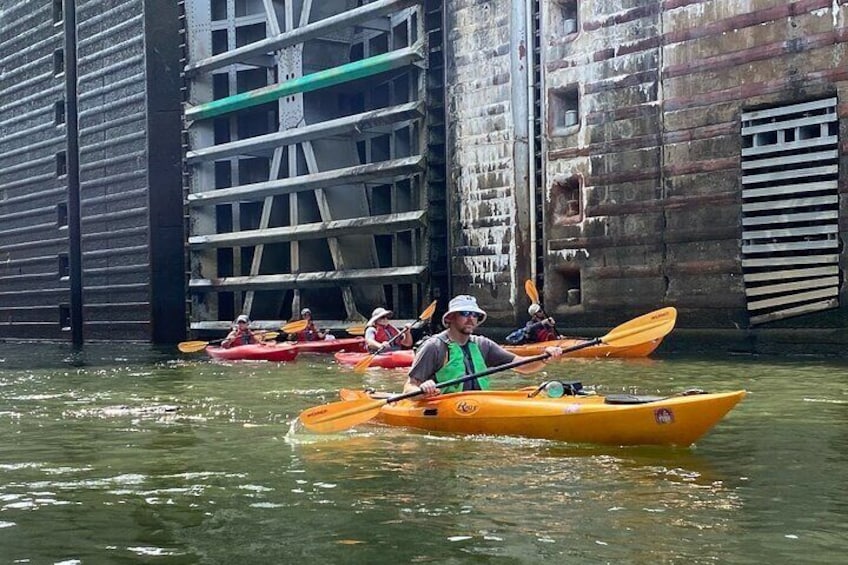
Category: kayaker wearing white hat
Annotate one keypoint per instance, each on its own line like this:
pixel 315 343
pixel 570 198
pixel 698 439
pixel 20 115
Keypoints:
pixel 456 351
pixel 240 334
pixel 379 332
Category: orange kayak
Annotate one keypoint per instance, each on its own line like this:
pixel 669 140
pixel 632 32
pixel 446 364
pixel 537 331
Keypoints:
pixel 600 350
pixel 611 420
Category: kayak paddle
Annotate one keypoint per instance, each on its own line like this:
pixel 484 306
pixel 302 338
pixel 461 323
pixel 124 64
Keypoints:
pixel 194 346
pixel 356 330
pixel 532 291
pixel 338 416
pixel 425 315
pixel 295 327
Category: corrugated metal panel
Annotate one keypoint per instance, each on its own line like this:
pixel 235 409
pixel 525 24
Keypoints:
pixel 113 163
pixel 31 190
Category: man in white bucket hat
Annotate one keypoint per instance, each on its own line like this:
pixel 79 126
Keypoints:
pixel 380 332
pixel 456 351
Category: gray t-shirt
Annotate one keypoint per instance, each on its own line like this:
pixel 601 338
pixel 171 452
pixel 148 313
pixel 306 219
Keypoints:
pixel 431 356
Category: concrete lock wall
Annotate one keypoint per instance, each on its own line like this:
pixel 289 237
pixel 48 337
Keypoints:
pixel 642 146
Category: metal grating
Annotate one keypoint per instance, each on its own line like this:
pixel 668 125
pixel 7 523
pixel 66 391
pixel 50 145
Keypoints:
pixel 306 180
pixel 790 210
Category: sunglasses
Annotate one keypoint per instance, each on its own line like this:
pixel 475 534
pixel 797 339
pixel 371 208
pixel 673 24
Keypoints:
pixel 469 314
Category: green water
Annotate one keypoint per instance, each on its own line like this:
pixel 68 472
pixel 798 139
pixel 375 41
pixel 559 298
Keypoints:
pixel 119 455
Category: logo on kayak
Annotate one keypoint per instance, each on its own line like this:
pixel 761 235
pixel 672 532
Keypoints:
pixel 663 416
pixel 466 407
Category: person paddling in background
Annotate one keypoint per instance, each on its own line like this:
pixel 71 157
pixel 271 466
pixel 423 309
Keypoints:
pixel 538 329
pixel 311 333
pixel 240 334
pixel 456 352
pixel 379 332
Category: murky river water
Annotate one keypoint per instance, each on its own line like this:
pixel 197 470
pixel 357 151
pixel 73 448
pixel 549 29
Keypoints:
pixel 119 455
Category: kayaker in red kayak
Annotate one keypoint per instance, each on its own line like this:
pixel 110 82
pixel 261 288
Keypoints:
pixel 240 334
pixel 311 333
pixel 456 351
pixel 379 332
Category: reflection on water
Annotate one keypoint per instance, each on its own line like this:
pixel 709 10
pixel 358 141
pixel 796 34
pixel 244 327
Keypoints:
pixel 121 454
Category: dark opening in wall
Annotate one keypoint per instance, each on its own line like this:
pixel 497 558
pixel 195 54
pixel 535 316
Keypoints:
pixel 571 282
pixel 59 112
pixel 378 45
pixel 64 266
pixel 62 215
pixel 61 163
pixel 564 17
pixel 58 62
pixel 565 111
pixel 567 200
pixel 65 317
pixel 58 11
pixel 219 10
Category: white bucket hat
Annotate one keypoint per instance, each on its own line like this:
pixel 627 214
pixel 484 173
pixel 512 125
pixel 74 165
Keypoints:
pixel 305 311
pixel 377 314
pixel 534 309
pixel 243 318
pixel 463 303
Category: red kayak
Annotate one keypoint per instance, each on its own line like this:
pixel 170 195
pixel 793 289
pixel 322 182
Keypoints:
pixel 388 360
pixel 270 351
pixel 331 345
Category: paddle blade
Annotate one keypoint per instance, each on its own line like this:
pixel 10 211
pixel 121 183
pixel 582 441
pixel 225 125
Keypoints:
pixel 647 327
pixel 428 311
pixel 362 365
pixel 192 346
pixel 295 327
pixel 341 415
pixel 356 330
pixel 532 291
pixel 268 336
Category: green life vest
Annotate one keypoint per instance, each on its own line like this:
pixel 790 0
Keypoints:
pixel 455 367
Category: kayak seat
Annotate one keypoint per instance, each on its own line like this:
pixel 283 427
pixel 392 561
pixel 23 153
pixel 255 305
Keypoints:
pixel 631 399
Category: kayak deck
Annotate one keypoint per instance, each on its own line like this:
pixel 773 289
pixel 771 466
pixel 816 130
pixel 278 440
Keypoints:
pixel 675 420
pixel 595 351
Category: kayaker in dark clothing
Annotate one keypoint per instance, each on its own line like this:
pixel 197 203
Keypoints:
pixel 240 334
pixel 456 351
pixel 311 333
pixel 540 328
pixel 379 332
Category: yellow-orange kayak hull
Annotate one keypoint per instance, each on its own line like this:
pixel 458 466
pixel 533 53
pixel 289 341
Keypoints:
pixel 600 350
pixel 676 420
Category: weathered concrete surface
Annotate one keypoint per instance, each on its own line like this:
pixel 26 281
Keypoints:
pixel 657 148
pixel 487 148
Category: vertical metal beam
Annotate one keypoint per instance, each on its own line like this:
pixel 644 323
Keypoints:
pixel 72 138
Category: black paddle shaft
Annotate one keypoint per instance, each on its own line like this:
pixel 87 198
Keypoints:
pixel 497 369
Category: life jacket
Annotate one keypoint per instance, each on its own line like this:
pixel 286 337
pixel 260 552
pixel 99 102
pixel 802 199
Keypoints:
pixel 542 333
pixel 308 334
pixel 242 338
pixel 384 333
pixel 459 363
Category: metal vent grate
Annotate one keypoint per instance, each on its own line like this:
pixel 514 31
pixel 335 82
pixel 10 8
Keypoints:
pixel 790 210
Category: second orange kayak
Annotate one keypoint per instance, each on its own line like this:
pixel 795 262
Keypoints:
pixel 600 350
pixel 387 360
